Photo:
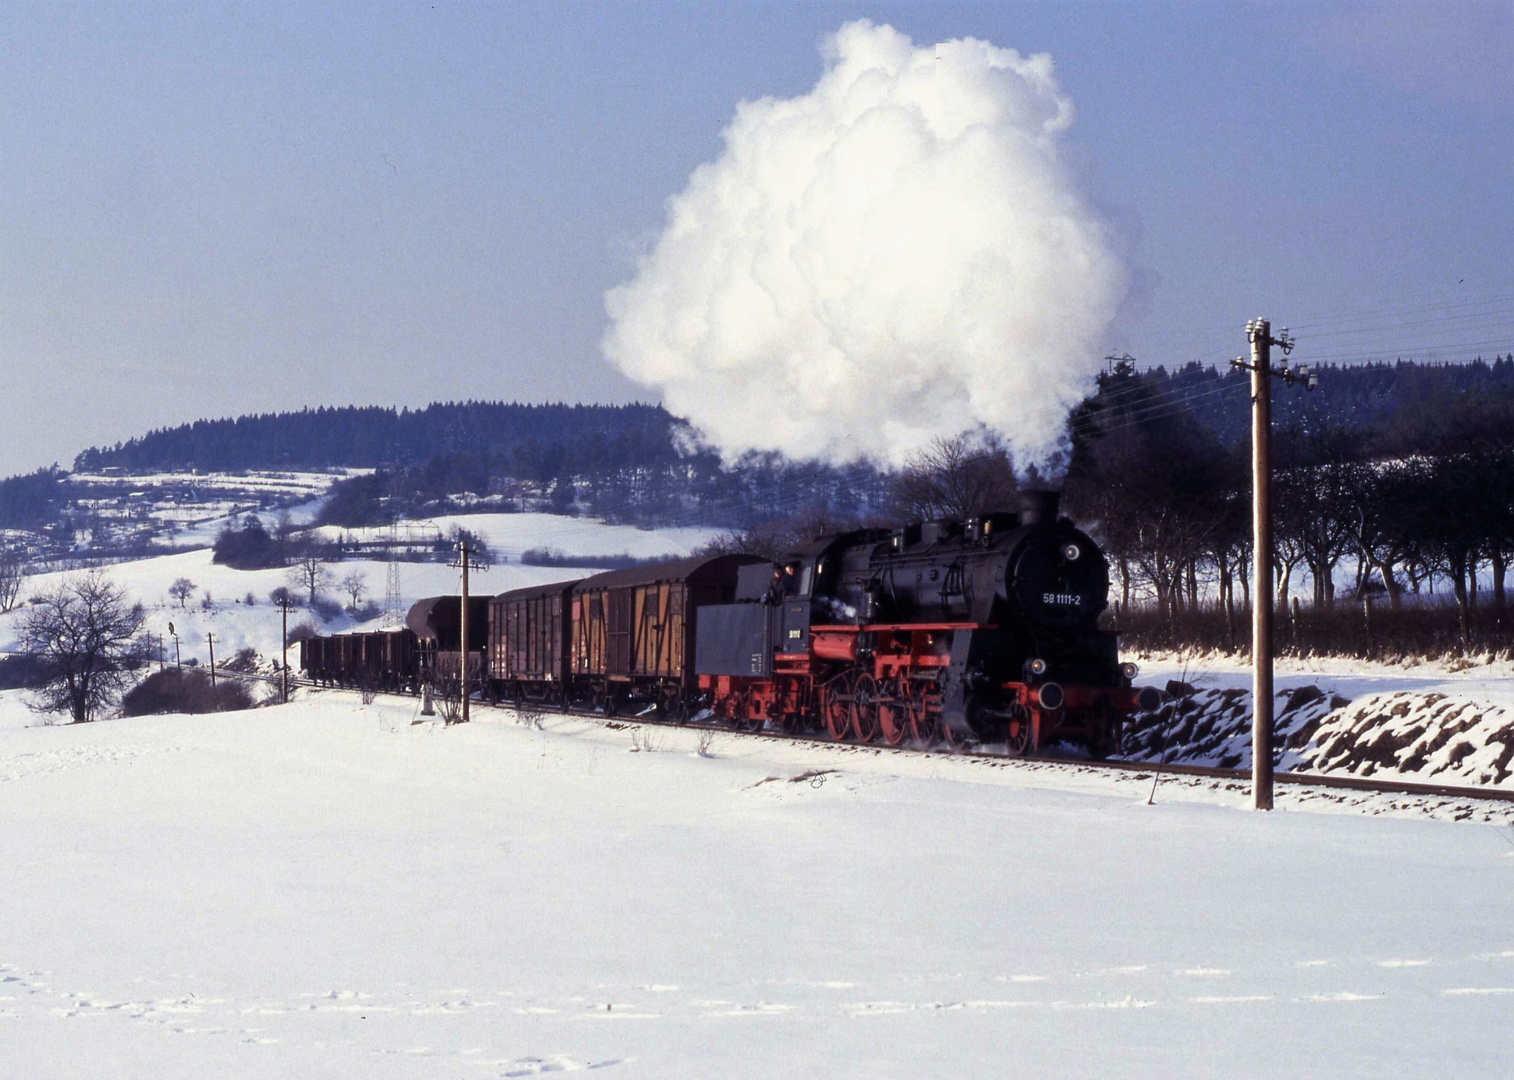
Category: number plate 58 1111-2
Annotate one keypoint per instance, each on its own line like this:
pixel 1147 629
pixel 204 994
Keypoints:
pixel 1061 599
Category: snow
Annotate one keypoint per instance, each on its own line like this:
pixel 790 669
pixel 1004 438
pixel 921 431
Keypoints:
pixel 331 889
pixel 296 482
pixel 1492 680
pixel 512 534
pixel 326 889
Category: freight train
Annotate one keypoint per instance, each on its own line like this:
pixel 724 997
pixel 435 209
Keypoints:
pixel 983 631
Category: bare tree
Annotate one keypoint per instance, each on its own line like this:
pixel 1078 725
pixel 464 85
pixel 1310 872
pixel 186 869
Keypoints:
pixel 10 579
pixel 955 478
pixel 284 530
pixel 181 590
pixel 1312 491
pixel 355 585
pixel 772 538
pixel 85 637
pixel 310 574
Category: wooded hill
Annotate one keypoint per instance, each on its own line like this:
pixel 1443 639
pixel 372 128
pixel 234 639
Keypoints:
pixel 548 437
pixel 380 437
pixel 632 462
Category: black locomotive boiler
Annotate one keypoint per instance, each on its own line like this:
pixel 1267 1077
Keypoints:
pixel 983 630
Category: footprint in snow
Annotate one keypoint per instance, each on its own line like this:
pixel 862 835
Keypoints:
pixel 534 1066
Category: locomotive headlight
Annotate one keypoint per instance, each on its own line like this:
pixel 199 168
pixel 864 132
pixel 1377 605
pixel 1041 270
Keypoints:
pixel 1130 671
pixel 1038 666
pixel 1071 552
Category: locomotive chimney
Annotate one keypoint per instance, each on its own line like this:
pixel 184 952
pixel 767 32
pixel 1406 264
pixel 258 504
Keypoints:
pixel 1039 506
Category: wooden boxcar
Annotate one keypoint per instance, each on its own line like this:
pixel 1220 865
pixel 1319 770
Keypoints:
pixel 530 643
pixel 633 631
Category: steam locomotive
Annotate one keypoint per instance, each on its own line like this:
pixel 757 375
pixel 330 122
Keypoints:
pixel 983 630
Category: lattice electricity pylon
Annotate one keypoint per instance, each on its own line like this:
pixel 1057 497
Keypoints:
pixel 394 614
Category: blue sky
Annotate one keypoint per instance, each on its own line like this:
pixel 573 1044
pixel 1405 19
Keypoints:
pixel 208 210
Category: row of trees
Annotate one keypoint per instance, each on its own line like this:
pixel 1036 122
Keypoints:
pixel 1171 505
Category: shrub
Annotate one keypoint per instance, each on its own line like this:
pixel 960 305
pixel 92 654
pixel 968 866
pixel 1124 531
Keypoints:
pixel 475 541
pixel 245 661
pixel 22 671
pixel 175 691
pixel 302 630
pixel 247 548
pixel 326 608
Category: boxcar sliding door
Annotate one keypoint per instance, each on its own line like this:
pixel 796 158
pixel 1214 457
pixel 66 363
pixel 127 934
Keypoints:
pixel 618 626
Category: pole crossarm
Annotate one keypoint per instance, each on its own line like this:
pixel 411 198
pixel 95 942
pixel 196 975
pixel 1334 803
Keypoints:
pixel 1258 331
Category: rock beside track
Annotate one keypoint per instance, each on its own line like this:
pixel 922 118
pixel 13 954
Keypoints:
pixel 1422 737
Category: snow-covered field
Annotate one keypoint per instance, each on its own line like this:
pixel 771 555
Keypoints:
pixel 324 889
pixel 511 535
pixel 329 889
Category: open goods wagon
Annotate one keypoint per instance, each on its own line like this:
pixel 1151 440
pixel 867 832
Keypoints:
pixel 436 623
pixel 381 659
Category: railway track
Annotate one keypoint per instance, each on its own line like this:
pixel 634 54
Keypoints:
pixel 1347 783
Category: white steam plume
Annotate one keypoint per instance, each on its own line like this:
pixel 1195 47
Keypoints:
pixel 896 256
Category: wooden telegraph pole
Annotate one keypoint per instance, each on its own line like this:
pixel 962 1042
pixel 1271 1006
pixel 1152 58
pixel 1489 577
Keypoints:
pixel 1259 334
pixel 465 561
pixel 211 640
pixel 284 655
